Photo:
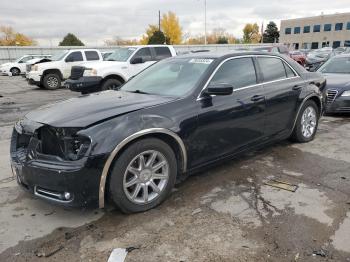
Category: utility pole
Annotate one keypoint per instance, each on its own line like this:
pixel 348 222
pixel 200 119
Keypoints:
pixel 159 20
pixel 205 22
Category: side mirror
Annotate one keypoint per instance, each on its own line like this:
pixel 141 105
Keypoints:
pixel 20 62
pixel 136 60
pixel 221 89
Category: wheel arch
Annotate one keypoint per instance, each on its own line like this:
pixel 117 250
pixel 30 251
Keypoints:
pixel 16 68
pixel 168 136
pixel 113 76
pixel 51 71
pixel 312 97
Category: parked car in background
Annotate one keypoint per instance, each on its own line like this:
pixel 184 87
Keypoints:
pixel 318 57
pixel 337 91
pixel 19 66
pixel 119 67
pixel 298 57
pixel 51 74
pixel 177 116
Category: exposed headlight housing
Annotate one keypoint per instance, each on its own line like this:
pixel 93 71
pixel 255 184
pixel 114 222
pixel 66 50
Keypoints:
pixel 35 68
pixel 65 143
pixel 90 72
pixel 346 93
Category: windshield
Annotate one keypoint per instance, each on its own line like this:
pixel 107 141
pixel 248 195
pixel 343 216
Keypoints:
pixel 121 54
pixel 23 59
pixel 174 77
pixel 59 56
pixel 337 65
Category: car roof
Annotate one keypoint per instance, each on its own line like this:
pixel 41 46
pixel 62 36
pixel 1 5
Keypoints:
pixel 232 53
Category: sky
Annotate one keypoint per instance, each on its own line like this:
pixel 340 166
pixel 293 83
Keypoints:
pixel 48 21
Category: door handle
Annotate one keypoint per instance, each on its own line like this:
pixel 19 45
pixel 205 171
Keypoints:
pixel 257 98
pixel 297 87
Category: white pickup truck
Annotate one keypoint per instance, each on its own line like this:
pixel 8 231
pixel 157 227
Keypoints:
pixel 120 66
pixel 51 74
pixel 19 66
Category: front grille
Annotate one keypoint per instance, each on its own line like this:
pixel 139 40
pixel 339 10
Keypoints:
pixel 331 95
pixel 77 72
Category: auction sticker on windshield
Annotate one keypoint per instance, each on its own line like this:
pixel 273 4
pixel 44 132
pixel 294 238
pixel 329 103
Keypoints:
pixel 201 61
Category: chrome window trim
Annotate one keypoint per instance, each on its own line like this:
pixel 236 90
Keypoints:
pixel 127 140
pixel 200 97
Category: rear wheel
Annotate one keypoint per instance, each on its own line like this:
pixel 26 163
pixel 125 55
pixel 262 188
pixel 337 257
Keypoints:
pixel 52 81
pixel 143 175
pixel 306 126
pixel 111 84
pixel 15 71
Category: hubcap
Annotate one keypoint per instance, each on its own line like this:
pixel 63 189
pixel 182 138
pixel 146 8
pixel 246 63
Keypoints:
pixel 146 177
pixel 308 122
pixel 52 81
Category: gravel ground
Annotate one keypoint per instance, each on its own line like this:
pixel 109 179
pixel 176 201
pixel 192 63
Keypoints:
pixel 225 213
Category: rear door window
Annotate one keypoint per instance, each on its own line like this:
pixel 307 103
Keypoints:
pixel 91 55
pixel 272 68
pixel 239 72
pixel 144 53
pixel 162 52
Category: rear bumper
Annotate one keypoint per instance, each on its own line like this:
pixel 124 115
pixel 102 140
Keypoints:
pixel 340 105
pixel 85 84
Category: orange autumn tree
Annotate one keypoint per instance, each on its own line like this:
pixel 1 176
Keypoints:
pixel 8 37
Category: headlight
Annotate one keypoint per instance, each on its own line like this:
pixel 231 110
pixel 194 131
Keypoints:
pixel 90 72
pixel 34 68
pixel 346 93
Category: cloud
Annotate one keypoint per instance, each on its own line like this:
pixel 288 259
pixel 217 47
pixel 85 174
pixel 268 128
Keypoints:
pixel 94 21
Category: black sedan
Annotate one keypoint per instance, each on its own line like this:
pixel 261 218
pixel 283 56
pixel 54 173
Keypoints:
pixel 337 91
pixel 171 120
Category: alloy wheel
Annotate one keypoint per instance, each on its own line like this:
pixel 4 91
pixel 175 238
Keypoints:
pixel 308 122
pixel 52 82
pixel 146 177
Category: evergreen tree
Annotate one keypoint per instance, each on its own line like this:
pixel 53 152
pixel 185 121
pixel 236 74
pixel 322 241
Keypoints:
pixel 158 38
pixel 71 40
pixel 271 34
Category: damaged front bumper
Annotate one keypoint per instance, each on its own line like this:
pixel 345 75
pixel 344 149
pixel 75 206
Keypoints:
pixel 68 183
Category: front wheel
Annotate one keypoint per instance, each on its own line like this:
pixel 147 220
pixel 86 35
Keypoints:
pixel 52 81
pixel 306 125
pixel 111 84
pixel 143 175
pixel 15 71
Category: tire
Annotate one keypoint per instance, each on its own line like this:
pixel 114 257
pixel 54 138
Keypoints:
pixel 306 133
pixel 52 81
pixel 122 194
pixel 15 71
pixel 111 84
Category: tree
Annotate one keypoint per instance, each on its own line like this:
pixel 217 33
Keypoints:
pixel 71 40
pixel 158 38
pixel 149 32
pixel 171 28
pixel 271 34
pixel 8 37
pixel 251 33
pixel 222 40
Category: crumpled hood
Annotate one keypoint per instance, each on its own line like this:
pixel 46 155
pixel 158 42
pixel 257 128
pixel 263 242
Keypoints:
pixel 340 82
pixel 86 110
